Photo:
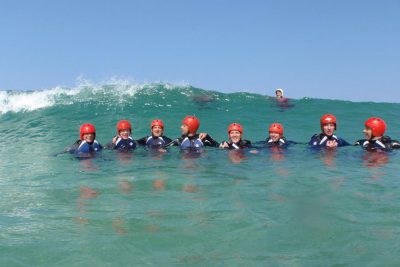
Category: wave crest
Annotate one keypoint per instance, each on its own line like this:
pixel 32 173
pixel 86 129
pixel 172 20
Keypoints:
pixel 20 101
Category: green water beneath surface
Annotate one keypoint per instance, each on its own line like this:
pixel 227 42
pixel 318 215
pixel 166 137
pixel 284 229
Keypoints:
pixel 295 208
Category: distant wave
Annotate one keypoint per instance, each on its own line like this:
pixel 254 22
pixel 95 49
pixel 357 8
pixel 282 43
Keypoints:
pixel 21 101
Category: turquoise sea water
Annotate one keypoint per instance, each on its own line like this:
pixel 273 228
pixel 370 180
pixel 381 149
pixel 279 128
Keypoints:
pixel 294 208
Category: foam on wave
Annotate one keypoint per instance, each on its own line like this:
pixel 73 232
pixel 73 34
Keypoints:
pixel 22 101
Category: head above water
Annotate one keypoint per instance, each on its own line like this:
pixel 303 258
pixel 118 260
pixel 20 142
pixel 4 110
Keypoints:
pixel 279 93
pixel 190 125
pixel 124 125
pixel 328 124
pixel 235 127
pixel 87 132
pixel 157 128
pixel 374 127
pixel 124 128
pixel 275 131
pixel 235 132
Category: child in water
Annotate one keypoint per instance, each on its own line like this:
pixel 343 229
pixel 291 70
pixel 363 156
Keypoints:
pixel 157 139
pixel 276 138
pixel 235 132
pixel 327 138
pixel 123 141
pixel 87 144
pixel 190 139
pixel 374 136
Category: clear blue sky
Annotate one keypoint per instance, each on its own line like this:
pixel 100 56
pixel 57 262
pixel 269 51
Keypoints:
pixel 325 49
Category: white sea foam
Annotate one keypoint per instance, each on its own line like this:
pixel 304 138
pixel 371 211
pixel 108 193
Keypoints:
pixel 17 101
pixel 26 101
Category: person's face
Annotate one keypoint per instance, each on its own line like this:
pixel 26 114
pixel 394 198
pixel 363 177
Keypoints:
pixel 274 136
pixel 124 134
pixel 368 133
pixel 278 94
pixel 88 137
pixel 157 131
pixel 235 136
pixel 184 129
pixel 328 129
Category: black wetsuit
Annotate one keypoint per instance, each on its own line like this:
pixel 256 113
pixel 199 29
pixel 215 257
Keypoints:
pixel 83 147
pixel 320 140
pixel 384 143
pixel 193 142
pixel 238 145
pixel 282 142
pixel 154 142
pixel 122 144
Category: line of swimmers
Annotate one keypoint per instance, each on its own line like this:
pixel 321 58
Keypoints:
pixel 191 140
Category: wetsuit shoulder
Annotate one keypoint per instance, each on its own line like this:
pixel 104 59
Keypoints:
pixel 314 140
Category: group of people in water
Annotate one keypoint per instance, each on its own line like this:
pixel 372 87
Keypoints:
pixel 191 140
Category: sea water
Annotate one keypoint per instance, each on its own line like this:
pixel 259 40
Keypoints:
pixel 295 207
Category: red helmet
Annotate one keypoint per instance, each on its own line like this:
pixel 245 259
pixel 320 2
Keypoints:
pixel 328 118
pixel 124 125
pixel 235 127
pixel 192 122
pixel 377 125
pixel 87 128
pixel 157 123
pixel 276 128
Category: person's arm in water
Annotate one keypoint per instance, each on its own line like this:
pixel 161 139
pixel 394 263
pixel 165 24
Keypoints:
pixel 175 142
pixel 359 142
pixel 207 140
pixel 111 145
pixel 142 141
pixel 72 148
pixel 167 139
pixel 246 144
pixel 224 144
pixel 395 144
pixel 342 142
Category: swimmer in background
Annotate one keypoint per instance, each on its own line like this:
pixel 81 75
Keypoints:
pixel 156 140
pixel 235 132
pixel 190 140
pixel 123 141
pixel 279 96
pixel 327 138
pixel 374 136
pixel 87 144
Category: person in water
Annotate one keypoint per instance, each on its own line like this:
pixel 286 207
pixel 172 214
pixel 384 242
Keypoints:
pixel 235 133
pixel 87 144
pixel 279 96
pixel 157 139
pixel 123 141
pixel 374 136
pixel 327 138
pixel 190 139
pixel 276 138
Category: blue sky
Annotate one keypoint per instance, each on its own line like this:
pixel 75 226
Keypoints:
pixel 324 49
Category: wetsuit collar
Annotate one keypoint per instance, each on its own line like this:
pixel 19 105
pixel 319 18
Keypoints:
pixel 195 136
pixel 375 140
